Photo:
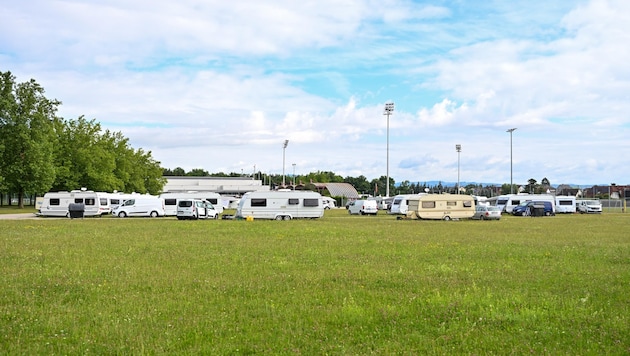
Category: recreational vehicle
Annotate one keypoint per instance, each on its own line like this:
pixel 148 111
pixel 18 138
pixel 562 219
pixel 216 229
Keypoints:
pixel 56 203
pixel 329 203
pixel 507 202
pixel 280 205
pixel 170 200
pixel 566 204
pixel 400 204
pixel 441 206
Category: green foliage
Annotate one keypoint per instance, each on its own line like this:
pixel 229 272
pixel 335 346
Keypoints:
pixel 337 285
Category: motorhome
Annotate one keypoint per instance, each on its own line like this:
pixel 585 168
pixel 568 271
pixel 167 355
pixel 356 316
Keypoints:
pixel 400 204
pixel 329 203
pixel 566 204
pixel 441 206
pixel 280 205
pixel 507 202
pixel 142 205
pixel 56 203
pixel 170 200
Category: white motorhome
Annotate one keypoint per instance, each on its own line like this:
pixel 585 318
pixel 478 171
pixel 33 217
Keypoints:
pixel 141 205
pixel 56 203
pixel 566 204
pixel 400 204
pixel 280 205
pixel 441 206
pixel 507 202
pixel 170 200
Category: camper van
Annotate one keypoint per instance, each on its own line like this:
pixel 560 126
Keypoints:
pixel 142 205
pixel 400 204
pixel 566 204
pixel 441 206
pixel 507 202
pixel 280 205
pixel 56 203
pixel 170 200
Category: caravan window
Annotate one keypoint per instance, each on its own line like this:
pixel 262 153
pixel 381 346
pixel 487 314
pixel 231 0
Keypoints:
pixel 565 202
pixel 502 201
pixel 114 201
pixel 451 203
pixel 170 201
pixel 516 202
pixel 54 201
pixel 311 202
pixel 428 204
pixel 90 201
pixel 468 203
pixel 103 201
pixel 259 202
pixel 294 201
pixel 78 200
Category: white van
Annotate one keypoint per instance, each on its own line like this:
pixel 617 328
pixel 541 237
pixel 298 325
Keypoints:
pixel 589 206
pixel 170 200
pixel 280 205
pixel 363 207
pixel 441 207
pixel 145 205
pixel 195 209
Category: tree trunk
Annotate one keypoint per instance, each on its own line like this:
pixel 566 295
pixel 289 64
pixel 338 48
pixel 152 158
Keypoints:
pixel 20 198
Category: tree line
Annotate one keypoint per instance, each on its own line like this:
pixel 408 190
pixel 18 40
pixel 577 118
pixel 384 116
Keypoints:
pixel 41 152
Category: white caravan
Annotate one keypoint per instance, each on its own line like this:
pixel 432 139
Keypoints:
pixel 507 202
pixel 441 206
pixel 329 203
pixel 141 205
pixel 170 200
pixel 56 203
pixel 280 205
pixel 565 204
pixel 400 204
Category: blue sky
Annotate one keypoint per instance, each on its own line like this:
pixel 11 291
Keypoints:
pixel 220 85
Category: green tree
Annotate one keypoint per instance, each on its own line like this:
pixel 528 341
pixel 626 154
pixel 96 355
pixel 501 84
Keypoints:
pixel 27 136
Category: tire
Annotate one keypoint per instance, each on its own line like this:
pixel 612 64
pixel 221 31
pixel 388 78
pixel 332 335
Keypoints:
pixel 287 217
pixel 279 217
pixel 447 218
pixel 154 214
pixel 122 214
pixel 482 217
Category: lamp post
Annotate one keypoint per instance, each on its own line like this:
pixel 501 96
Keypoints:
pixel 293 175
pixel 284 148
pixel 389 110
pixel 458 148
pixel 511 176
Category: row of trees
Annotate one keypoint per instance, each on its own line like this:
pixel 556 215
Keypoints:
pixel 41 152
pixel 361 183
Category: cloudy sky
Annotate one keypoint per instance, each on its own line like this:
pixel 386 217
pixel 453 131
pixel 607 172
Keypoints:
pixel 219 85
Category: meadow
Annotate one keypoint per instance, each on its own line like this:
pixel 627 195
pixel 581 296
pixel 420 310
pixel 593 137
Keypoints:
pixel 338 285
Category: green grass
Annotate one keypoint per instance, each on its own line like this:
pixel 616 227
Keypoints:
pixel 13 209
pixel 339 285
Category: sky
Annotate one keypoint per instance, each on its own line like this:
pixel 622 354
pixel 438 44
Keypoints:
pixel 220 85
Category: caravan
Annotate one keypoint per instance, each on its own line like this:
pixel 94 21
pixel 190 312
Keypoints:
pixel 170 200
pixel 57 203
pixel 280 205
pixel 441 207
pixel 566 204
pixel 400 204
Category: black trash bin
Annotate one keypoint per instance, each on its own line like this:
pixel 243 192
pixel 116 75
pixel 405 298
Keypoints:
pixel 76 210
pixel 538 210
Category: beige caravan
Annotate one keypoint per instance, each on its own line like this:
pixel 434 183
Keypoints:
pixel 441 206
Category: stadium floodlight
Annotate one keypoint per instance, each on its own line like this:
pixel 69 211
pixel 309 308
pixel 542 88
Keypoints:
pixel 389 110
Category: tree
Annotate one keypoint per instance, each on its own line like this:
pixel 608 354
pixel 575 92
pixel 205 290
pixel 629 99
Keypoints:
pixel 27 136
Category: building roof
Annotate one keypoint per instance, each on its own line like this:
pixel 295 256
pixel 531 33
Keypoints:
pixel 338 189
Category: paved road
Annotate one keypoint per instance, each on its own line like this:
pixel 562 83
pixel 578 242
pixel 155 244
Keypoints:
pixel 18 216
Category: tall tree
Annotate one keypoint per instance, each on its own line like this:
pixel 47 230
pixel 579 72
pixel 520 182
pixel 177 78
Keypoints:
pixel 27 136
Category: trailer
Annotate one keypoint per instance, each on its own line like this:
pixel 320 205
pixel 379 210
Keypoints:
pixel 56 204
pixel 280 205
pixel 441 207
pixel 566 204
pixel 400 204
pixel 171 198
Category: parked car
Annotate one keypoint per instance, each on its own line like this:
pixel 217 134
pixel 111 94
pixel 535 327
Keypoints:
pixel 363 207
pixel 589 206
pixel 487 212
pixel 195 209
pixel 527 208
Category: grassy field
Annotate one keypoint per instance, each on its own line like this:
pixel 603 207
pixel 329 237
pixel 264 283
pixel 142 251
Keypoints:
pixel 338 285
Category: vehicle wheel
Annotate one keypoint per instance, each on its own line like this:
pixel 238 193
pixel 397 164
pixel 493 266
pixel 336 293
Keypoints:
pixel 279 217
pixel 349 212
pixel 482 217
pixel 154 214
pixel 196 217
pixel 287 217
pixel 122 214
pixel 180 218
pixel 447 218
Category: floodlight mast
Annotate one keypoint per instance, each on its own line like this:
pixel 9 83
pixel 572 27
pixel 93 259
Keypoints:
pixel 389 110
pixel 511 175
pixel 458 148
pixel 284 148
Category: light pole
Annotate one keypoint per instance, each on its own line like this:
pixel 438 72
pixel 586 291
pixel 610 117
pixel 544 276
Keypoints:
pixel 284 148
pixel 293 175
pixel 389 110
pixel 511 176
pixel 458 148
